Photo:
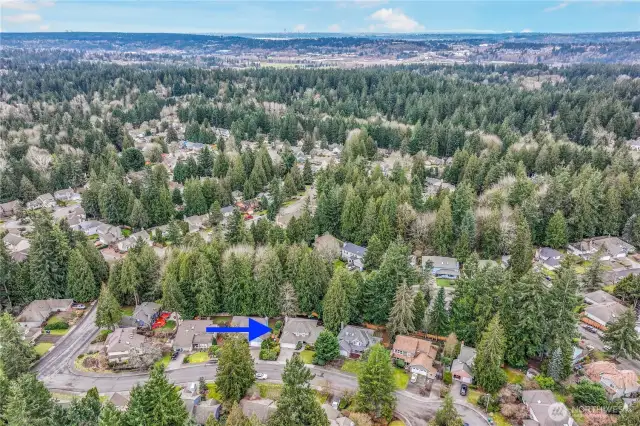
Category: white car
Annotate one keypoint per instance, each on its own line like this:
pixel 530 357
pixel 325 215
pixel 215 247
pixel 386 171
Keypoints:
pixel 414 377
pixel 261 376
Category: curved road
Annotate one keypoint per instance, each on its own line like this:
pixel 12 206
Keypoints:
pixel 57 372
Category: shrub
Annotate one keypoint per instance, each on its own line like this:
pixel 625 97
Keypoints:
pixel 59 325
pixel 278 325
pixel 400 363
pixel 298 346
pixel 492 404
pixel 268 354
pixel 447 378
pixel 545 382
pixel 589 394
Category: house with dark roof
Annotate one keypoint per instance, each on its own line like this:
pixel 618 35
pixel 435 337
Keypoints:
pixel 462 366
pixel 442 267
pixel 126 245
pixel 8 209
pixel 119 344
pixel 192 335
pixel 355 340
pixel 549 258
pixel 262 408
pixel 599 296
pixel 353 254
pixel 143 315
pixel 299 330
pixel 544 410
pixel 601 314
pixel 609 248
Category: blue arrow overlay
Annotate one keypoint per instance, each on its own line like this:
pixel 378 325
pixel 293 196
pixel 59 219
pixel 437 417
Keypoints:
pixel 255 329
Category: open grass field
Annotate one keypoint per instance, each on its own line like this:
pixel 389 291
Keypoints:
pixel 401 378
pixel 396 423
pixel 58 332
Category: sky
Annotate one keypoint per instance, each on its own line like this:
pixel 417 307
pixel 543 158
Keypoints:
pixel 344 16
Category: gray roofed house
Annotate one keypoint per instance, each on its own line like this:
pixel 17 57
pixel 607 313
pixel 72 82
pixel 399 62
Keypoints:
pixel 118 345
pixel 443 267
pixel 66 195
pixel 44 201
pixel 604 313
pixel 192 335
pixel 612 247
pixel 227 211
pixel 8 209
pixel 599 296
pixel 462 367
pixel 550 258
pixel 120 401
pixel 129 243
pixel 353 254
pixel 539 403
pixel 145 314
pixel 196 223
pixel 355 340
pixel 299 330
pixel 615 276
pixel 241 321
pixel 74 214
pixel 108 234
pixel 205 409
pixel 262 408
pixel 38 311
pixel 18 246
pixel 634 144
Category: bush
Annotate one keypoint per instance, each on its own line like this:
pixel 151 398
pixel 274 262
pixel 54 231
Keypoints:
pixel 58 325
pixel 278 325
pixel 213 350
pixel 545 382
pixel 589 394
pixel 400 363
pixel 447 378
pixel 491 403
pixel 298 346
pixel 268 354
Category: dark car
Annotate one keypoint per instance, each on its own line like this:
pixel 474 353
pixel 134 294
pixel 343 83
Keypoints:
pixel 174 355
pixel 464 389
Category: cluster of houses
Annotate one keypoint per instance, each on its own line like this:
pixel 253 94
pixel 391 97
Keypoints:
pixel 35 315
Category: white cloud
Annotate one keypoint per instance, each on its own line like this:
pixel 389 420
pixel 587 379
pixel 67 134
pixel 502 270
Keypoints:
pixel 393 20
pixel 23 18
pixel 44 27
pixel 557 7
pixel 526 30
pixel 25 5
pixel 299 28
pixel 334 28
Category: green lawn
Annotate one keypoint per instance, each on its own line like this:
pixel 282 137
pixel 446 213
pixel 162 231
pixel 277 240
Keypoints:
pixel 55 319
pixel 58 332
pixel 197 357
pixel 401 378
pixel 338 264
pixel 499 420
pixel 396 423
pixel 164 360
pixel 473 396
pixel 127 311
pixel 351 366
pixel 270 390
pixel 126 232
pixel 307 356
pixel 443 282
pixel 213 392
pixel 609 288
pixel 170 325
pixel 514 376
pixel 42 348
pixel 221 320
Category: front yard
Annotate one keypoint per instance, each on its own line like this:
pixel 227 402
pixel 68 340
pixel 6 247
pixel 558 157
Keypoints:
pixel 514 376
pixel 400 376
pixel 197 357
pixel 307 356
pixel 42 348
pixel 443 282
pixel 127 311
pixel 164 361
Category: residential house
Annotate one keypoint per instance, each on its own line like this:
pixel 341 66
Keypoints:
pixel 599 296
pixel 143 315
pixel 544 410
pixel 8 209
pixel 549 258
pixel 206 409
pixel 196 223
pixel 299 331
pixel 192 335
pixel 335 417
pixel 227 211
pixel 108 234
pixel 600 314
pixel 18 246
pixel 261 408
pixel 190 397
pixel 462 366
pixel 353 255
pixel 609 247
pixel 44 201
pixel 66 195
pixel 614 277
pixel 87 227
pixel 74 214
pixel 617 383
pixel 417 354
pixel 127 244
pixel 120 401
pixel 355 340
pixel 118 345
pixel 442 267
pixel 240 321
pixel 39 311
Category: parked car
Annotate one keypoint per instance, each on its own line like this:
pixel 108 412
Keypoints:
pixel 174 355
pixel 464 389
pixel 79 306
pixel 607 348
pixel 261 376
pixel 589 328
pixel 335 402
pixel 414 377
pixel 212 361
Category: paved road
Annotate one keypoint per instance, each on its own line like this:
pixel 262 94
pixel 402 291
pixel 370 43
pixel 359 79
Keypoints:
pixel 595 340
pixel 57 372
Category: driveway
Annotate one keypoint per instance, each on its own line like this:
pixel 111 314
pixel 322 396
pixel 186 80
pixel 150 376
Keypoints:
pixel 176 363
pixel 285 354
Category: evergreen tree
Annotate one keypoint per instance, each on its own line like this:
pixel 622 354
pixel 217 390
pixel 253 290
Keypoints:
pixel 215 214
pixel 108 312
pixel 176 197
pixel 307 173
pixel 138 218
pixel 81 284
pixel 205 162
pixel 236 231
pixel 288 300
pixel 132 159
pixel 592 278
pixel 194 201
pixel 236 373
pixel 29 402
pixel 438 322
pixel 467 235
pixel 48 257
pixel 311 282
pixel 376 385
pixel 630 417
pixel 335 312
pixel 443 229
pixel 488 370
pixel 557 236
pixel 419 311
pixel 85 411
pixel 236 417
pixel 401 317
pixel 269 277
pixel 522 248
pixel 298 405
pixel 156 403
pixel 375 251
pixel 110 415
pixel 239 284
pixel 351 219
pixel 446 414
pixel 28 192
pixel 555 368
pixel 327 348
pixel 130 280
pixel 15 353
pixel 622 336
